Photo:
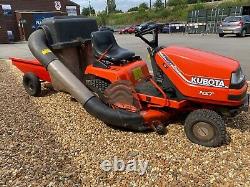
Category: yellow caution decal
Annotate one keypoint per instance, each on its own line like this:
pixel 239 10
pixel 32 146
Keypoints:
pixel 137 72
pixel 46 51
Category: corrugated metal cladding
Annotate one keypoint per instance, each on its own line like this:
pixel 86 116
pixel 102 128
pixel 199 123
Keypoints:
pixel 19 18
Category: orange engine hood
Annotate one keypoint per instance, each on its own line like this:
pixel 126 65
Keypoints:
pixel 200 63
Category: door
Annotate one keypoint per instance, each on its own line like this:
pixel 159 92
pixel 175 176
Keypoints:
pixel 247 22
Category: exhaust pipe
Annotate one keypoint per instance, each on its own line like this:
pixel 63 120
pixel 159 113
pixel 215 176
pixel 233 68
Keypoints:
pixel 60 74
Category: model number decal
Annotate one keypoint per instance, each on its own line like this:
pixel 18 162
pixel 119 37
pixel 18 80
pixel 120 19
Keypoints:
pixel 208 82
pixel 206 93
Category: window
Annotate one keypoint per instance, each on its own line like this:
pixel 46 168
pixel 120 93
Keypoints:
pixel 10 35
pixel 247 18
pixel 7 10
pixel 232 19
pixel 71 10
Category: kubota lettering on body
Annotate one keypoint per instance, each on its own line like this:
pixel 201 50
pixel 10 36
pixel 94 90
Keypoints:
pixel 208 82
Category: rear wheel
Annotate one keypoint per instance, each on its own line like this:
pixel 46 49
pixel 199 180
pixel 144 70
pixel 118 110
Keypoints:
pixel 32 84
pixel 205 127
pixel 221 35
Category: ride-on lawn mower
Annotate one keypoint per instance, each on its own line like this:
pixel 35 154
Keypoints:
pixel 115 85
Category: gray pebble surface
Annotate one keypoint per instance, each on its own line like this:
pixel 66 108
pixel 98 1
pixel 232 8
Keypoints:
pixel 52 141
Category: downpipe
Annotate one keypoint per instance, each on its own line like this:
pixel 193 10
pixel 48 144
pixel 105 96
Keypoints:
pixel 38 45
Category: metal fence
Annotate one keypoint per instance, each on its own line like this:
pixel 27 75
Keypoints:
pixel 207 21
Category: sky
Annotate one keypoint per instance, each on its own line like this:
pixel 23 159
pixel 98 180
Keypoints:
pixel 99 5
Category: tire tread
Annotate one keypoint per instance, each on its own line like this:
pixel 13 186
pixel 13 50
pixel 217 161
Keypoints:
pixel 208 116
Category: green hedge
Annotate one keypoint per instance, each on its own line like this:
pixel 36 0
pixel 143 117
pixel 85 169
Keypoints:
pixel 176 13
pixel 235 3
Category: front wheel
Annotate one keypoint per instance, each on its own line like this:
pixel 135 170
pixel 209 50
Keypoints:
pixel 243 33
pixel 221 35
pixel 205 127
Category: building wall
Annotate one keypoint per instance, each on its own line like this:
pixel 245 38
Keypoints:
pixel 28 28
pixel 3 36
pixel 10 22
pixel 35 5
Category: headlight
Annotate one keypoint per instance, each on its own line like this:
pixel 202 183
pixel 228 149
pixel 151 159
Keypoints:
pixel 237 77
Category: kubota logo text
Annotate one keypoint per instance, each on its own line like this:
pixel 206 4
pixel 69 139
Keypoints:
pixel 208 82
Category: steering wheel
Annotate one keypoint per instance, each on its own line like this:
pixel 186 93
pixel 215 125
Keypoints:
pixel 153 30
pixel 147 31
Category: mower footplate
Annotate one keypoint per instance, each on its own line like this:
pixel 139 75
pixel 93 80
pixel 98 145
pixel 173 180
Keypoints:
pixel 245 107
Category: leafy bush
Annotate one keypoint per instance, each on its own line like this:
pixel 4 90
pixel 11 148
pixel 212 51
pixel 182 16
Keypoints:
pixel 178 12
pixel 232 3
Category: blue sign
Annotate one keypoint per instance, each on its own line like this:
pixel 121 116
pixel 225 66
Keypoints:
pixel 7 10
pixel 38 18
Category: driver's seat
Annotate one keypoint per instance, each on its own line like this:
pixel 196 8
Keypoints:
pixel 105 47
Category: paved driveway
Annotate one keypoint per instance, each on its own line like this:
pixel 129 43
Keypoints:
pixel 234 47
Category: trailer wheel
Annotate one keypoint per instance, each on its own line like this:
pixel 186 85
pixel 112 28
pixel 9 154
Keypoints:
pixel 205 127
pixel 32 84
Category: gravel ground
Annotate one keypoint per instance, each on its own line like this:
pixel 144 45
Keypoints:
pixel 52 141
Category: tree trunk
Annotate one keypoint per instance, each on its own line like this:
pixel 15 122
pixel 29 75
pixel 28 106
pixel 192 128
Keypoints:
pixel 107 7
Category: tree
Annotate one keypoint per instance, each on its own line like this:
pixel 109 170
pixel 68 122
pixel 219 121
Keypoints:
pixel 111 6
pixel 198 1
pixel 143 6
pixel 133 9
pixel 102 18
pixel 199 5
pixel 158 4
pixel 177 2
pixel 87 11
pixel 118 11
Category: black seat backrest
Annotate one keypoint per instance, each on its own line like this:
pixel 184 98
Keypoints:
pixel 105 48
pixel 102 41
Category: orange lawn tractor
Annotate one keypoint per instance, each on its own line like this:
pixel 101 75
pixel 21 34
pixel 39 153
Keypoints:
pixel 115 85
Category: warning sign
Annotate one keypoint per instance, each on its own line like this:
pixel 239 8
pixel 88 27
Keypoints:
pixel 58 5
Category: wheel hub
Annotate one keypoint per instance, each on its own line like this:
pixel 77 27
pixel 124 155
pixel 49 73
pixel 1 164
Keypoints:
pixel 203 131
pixel 30 86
